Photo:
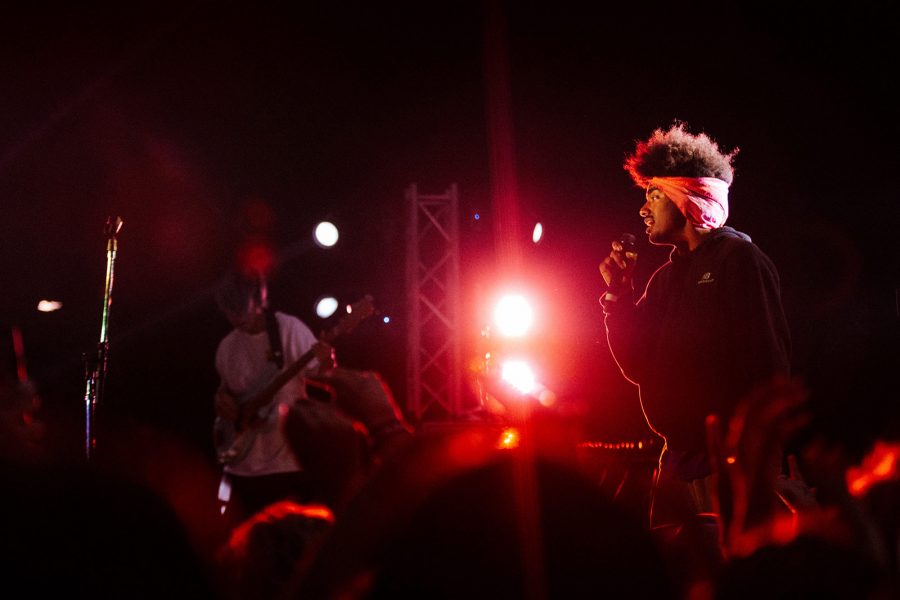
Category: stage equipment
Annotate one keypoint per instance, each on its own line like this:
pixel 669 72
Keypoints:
pixel 434 380
pixel 96 366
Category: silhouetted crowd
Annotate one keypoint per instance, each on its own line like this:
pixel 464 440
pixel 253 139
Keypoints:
pixel 499 508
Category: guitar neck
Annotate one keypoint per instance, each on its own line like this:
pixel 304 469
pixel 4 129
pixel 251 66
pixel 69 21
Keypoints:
pixel 266 395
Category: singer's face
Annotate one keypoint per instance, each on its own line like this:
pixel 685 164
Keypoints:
pixel 250 320
pixel 665 223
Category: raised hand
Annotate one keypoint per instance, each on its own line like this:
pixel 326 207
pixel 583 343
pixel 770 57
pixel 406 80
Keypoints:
pixel 364 396
pixel 327 444
pixel 747 462
pixel 793 489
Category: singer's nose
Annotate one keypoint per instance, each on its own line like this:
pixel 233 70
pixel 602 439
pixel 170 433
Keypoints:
pixel 645 211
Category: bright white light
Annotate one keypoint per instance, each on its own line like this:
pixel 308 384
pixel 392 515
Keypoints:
pixel 386 319
pixel 326 234
pixel 326 306
pixel 519 374
pixel 513 316
pixel 49 305
pixel 538 233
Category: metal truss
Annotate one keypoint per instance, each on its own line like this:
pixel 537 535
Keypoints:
pixel 434 375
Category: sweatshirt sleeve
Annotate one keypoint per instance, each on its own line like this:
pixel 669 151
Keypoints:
pixel 628 327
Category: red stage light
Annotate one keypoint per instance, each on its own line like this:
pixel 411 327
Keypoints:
pixel 256 256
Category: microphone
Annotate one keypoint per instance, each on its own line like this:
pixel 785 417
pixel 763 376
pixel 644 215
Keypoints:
pixel 628 242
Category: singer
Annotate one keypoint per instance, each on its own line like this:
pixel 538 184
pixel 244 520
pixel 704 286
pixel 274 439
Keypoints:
pixel 709 326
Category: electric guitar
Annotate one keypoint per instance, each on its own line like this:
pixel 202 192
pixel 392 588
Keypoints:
pixel 233 439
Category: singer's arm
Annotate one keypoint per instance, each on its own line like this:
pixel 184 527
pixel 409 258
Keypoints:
pixel 627 333
pixel 627 325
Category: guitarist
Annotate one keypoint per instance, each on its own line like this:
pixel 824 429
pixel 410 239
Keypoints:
pixel 260 343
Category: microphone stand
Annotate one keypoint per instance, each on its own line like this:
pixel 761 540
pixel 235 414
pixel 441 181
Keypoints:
pixel 96 369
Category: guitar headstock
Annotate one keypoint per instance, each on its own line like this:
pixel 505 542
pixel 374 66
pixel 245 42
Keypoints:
pixel 357 312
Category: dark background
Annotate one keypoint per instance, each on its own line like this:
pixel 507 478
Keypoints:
pixel 211 125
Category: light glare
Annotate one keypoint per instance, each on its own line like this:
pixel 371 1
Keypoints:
pixel 509 439
pixel 326 234
pixel 518 373
pixel 326 306
pixel 538 233
pixel 513 316
pixel 49 305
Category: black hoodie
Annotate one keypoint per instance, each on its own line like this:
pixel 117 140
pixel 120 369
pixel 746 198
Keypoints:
pixel 709 327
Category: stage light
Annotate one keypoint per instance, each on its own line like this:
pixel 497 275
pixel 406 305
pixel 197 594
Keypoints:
pixel 513 316
pixel 326 234
pixel 519 374
pixel 537 233
pixel 386 319
pixel 49 305
pixel 325 306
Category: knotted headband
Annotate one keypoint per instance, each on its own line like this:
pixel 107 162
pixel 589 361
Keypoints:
pixel 702 200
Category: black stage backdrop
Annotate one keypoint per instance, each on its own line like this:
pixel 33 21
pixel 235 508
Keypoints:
pixel 209 125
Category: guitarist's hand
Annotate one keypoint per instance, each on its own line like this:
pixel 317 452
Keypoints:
pixel 226 405
pixel 325 354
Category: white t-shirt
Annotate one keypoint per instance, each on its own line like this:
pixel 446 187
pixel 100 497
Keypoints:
pixel 242 360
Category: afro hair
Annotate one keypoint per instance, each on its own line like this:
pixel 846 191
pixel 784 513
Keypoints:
pixel 676 152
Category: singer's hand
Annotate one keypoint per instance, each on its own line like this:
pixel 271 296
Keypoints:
pixel 617 269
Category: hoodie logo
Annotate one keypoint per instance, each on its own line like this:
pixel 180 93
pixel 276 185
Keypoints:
pixel 706 278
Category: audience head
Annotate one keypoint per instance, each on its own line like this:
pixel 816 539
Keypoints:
pixel 262 551
pixel 453 514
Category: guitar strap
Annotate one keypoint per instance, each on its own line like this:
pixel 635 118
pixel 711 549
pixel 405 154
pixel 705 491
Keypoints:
pixel 276 353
